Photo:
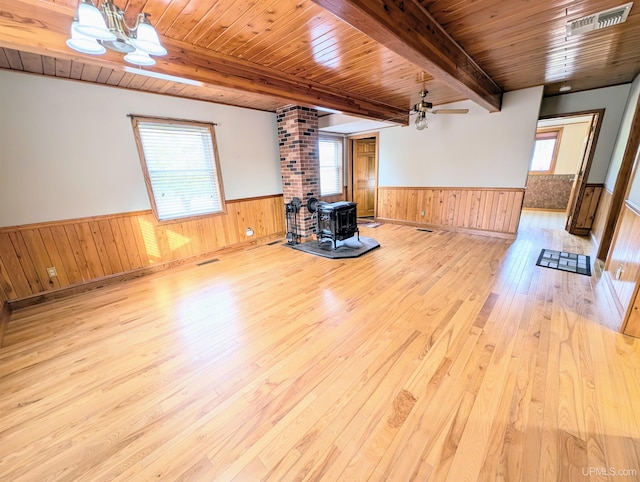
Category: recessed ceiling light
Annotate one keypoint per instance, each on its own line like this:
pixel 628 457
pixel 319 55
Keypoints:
pixel 564 88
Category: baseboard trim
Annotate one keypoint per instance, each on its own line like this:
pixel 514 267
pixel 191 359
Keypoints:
pixel 548 210
pixel 5 315
pixel 129 275
pixel 447 227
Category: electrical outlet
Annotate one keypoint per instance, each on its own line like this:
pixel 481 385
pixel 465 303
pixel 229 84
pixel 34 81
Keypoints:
pixel 52 272
pixel 422 213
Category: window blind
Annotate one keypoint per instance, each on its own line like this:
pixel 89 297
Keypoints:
pixel 331 160
pixel 181 168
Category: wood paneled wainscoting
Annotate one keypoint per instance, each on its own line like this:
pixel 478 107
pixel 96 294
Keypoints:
pixel 91 250
pixel 601 215
pixel 622 268
pixel 588 209
pixel 494 211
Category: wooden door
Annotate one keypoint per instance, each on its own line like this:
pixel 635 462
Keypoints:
pixel 580 181
pixel 364 175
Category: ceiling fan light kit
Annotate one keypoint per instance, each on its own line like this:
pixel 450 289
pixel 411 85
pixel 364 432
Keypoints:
pixel 421 121
pixel 94 30
pixel 423 108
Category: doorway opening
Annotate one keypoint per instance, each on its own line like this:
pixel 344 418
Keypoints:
pixel 559 169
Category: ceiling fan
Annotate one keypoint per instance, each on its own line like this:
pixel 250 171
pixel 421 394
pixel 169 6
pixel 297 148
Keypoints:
pixel 423 108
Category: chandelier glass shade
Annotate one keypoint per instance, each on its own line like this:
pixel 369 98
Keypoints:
pixel 138 57
pixel 94 29
pixel 90 22
pixel 84 43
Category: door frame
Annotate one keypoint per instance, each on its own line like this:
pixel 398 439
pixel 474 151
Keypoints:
pixel 350 155
pixel 579 189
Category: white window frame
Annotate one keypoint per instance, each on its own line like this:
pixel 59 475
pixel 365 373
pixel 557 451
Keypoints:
pixel 336 169
pixel 207 173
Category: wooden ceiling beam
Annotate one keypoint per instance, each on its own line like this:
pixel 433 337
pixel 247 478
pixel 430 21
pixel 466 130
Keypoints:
pixel 406 28
pixel 43 29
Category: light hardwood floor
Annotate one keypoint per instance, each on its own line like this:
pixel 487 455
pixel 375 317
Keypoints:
pixel 439 356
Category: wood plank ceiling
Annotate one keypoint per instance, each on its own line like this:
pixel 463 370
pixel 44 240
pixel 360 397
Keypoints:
pixel 266 53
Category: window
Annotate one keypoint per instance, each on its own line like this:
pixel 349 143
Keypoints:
pixel 180 165
pixel 545 151
pixel 330 153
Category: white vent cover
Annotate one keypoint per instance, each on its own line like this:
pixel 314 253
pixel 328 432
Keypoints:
pixel 599 20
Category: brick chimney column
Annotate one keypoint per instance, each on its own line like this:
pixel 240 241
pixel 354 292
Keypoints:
pixel 299 162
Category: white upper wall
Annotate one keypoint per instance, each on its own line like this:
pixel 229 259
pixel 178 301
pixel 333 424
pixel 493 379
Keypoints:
pixel 477 149
pixel 67 148
pixel 572 145
pixel 613 100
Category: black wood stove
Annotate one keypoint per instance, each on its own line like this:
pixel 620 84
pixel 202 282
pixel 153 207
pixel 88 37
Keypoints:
pixel 335 221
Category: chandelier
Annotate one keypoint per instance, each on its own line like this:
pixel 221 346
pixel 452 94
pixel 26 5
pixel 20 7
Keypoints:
pixel 94 29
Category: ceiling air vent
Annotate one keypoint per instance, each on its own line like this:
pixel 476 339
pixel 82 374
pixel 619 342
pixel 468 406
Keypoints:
pixel 606 18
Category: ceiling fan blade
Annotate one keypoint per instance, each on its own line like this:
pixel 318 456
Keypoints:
pixel 450 111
